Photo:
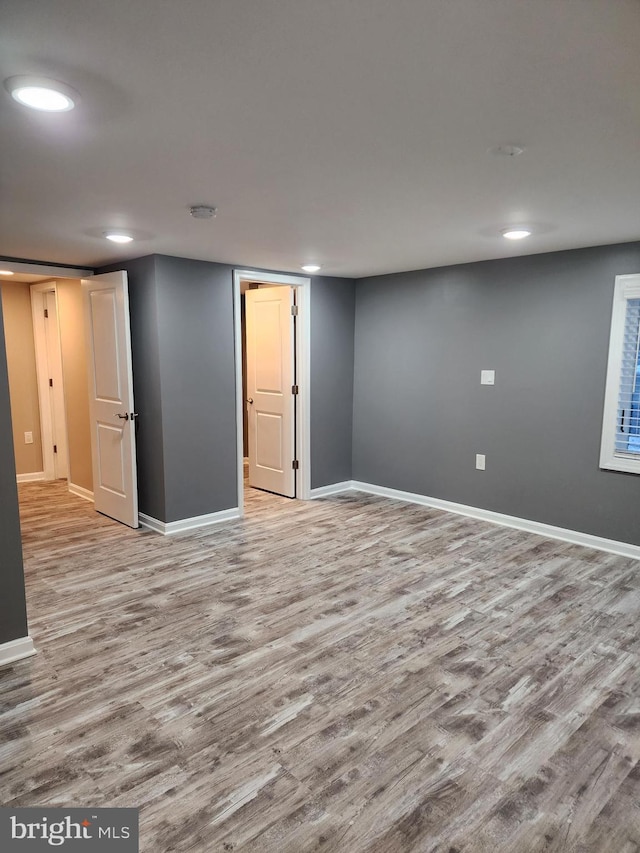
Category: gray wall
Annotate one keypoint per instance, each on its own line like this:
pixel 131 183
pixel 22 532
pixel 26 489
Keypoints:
pixel 184 383
pixel 13 612
pixel 332 332
pixel 197 368
pixel 421 415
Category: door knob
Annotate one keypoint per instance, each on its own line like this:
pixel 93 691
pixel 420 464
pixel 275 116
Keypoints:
pixel 250 400
pixel 124 417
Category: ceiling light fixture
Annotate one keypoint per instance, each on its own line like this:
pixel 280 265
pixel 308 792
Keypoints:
pixel 310 267
pixel 39 93
pixel 516 233
pixel 118 237
pixel 6 272
pixel 203 211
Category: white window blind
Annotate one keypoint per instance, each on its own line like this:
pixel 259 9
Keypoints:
pixel 628 422
pixel 620 448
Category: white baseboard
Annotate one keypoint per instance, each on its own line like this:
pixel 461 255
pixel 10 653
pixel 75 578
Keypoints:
pixel 16 650
pixel 612 546
pixel 332 489
pixel 81 492
pixel 34 477
pixel 623 549
pixel 169 527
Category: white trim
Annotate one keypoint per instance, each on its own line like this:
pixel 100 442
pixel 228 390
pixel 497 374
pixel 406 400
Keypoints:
pixel 169 527
pixel 303 375
pixel 257 277
pixel 16 650
pixel 303 367
pixel 44 370
pixel 42 373
pixel 237 355
pixel 33 477
pixel 152 523
pixel 81 492
pixel 612 546
pixel 623 549
pixel 35 268
pixel 626 287
pixel 626 464
pixel 333 489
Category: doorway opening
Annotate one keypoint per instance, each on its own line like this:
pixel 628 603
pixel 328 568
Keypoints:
pixel 44 340
pixel 272 344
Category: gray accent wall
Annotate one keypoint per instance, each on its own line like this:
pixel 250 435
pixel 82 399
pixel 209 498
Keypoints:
pixel 420 414
pixel 13 609
pixel 197 369
pixel 332 333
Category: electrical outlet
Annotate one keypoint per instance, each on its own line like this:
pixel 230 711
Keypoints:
pixel 28 438
pixel 480 461
pixel 487 377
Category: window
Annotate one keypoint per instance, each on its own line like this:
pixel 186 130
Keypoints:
pixel 620 450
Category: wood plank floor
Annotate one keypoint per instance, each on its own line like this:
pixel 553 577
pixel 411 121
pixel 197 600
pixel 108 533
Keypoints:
pixel 350 674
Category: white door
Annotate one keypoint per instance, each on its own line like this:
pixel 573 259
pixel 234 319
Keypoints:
pixel 113 449
pixel 270 399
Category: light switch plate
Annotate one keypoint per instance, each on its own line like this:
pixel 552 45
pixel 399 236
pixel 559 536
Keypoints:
pixel 487 377
pixel 28 438
pixel 480 461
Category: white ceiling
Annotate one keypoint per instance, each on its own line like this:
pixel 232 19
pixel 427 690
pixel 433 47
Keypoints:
pixel 354 133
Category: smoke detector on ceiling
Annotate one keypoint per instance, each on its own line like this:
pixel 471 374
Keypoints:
pixel 507 150
pixel 202 211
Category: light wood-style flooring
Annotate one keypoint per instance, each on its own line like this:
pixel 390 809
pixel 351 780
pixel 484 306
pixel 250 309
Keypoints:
pixel 349 674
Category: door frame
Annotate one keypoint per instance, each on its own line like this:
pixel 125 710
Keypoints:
pixel 38 297
pixel 302 285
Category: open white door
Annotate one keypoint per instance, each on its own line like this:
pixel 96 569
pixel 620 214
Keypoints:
pixel 270 399
pixel 115 482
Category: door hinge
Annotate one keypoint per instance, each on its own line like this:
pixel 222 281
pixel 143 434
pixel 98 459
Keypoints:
pixel 51 383
pixel 294 310
pixel 295 464
pixel 46 313
pixel 55 448
pixel 294 389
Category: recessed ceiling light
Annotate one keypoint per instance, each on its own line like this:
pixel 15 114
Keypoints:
pixel 516 233
pixel 310 267
pixel 6 272
pixel 118 237
pixel 39 93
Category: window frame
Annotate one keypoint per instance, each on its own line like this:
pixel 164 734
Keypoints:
pixel 627 287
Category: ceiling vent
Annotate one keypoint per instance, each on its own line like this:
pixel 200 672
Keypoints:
pixel 202 211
